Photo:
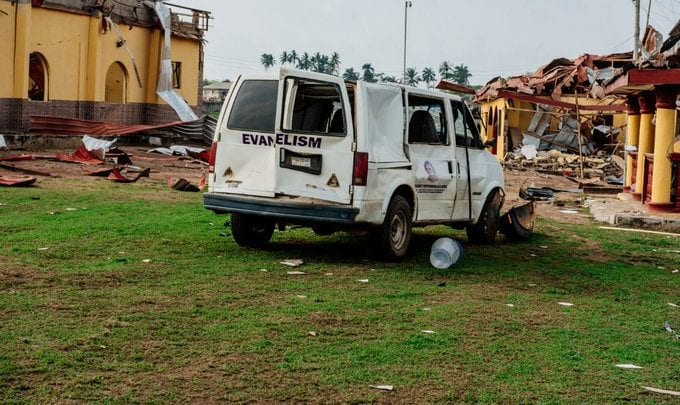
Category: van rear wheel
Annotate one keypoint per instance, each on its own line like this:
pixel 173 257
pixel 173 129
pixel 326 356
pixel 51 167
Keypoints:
pixel 250 230
pixel 485 230
pixel 395 233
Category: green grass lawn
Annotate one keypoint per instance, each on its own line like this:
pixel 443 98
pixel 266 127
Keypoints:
pixel 128 293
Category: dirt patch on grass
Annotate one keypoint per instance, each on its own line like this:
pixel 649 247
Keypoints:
pixel 591 249
pixel 14 275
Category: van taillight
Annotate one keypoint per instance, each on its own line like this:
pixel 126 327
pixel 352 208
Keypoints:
pixel 360 172
pixel 211 157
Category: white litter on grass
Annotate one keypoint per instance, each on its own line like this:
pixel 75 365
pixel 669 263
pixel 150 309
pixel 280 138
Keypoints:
pixel 673 305
pixel 295 273
pixel 510 305
pixel 292 262
pixel 543 247
pixel 363 280
pixel 628 366
pixel 675 271
pixel 263 270
pixel 301 296
pixel 662 391
pixel 427 309
pixel 660 267
pixel 428 332
pixel 42 249
pixel 569 211
pixel 146 260
pixel 383 387
pixel 328 274
pixel 532 255
pixel 669 251
pixel 121 253
pixel 566 304
pixel 532 285
pixel 312 333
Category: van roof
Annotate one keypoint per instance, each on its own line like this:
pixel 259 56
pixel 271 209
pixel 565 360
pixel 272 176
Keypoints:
pixel 277 74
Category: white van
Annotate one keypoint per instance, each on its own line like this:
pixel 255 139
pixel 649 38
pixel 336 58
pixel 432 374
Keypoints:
pixel 312 149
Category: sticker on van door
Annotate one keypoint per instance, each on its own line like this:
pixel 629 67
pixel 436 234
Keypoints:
pixel 282 139
pixel 429 175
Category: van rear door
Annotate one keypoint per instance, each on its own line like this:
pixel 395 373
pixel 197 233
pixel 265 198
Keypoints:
pixel 314 137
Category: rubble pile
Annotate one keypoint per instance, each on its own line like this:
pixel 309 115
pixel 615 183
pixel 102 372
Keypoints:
pixel 600 165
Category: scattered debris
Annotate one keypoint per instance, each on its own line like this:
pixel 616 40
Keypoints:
pixel 428 332
pixel 81 155
pixel 518 223
pixel 611 228
pixel 312 333
pixel 181 150
pixel 302 297
pixel 566 304
pixel 427 309
pixel 532 285
pixel 571 212
pixel 328 274
pixel 146 261
pixel 23 181
pixel 42 249
pixel 661 391
pixel 296 273
pixel 510 305
pixel 445 252
pixel 31 172
pixel 363 280
pixel 292 262
pixel 628 366
pixel 263 270
pixel 667 328
pixel 182 184
pixel 383 387
pixel 3 144
pixel 673 305
pixel 117 175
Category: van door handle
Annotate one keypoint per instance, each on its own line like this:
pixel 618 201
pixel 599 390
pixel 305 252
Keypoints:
pixel 450 165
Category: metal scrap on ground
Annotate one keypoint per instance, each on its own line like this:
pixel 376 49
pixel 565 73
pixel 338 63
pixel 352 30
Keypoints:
pixel 292 262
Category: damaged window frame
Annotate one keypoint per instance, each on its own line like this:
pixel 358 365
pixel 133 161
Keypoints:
pixel 176 74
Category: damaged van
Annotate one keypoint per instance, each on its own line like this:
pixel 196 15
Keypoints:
pixel 302 148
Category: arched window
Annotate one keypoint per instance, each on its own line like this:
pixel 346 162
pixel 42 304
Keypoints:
pixel 37 77
pixel 116 84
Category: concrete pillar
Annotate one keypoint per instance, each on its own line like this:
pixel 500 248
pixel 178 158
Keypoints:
pixel 95 80
pixel 22 48
pixel 646 141
pixel 663 145
pixel 154 66
pixel 632 137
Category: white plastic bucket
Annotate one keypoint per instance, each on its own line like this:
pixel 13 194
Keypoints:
pixel 445 253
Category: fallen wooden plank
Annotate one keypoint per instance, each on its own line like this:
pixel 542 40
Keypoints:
pixel 24 170
pixel 612 228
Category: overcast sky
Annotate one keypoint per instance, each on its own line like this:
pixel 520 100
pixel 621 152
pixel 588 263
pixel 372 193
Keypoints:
pixel 492 37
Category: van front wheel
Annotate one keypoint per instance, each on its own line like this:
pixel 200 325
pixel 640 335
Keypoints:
pixel 251 231
pixel 395 233
pixel 485 230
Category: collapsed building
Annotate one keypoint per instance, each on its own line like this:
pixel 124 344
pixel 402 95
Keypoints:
pixel 122 61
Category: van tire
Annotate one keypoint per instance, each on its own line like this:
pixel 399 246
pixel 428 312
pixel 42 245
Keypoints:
pixel 395 232
pixel 251 231
pixel 485 230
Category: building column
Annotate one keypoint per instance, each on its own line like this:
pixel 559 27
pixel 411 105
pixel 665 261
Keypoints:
pixel 663 145
pixel 632 138
pixel 22 48
pixel 646 140
pixel 93 88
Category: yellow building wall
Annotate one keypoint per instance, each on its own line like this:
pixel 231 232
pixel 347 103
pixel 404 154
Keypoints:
pixel 6 51
pixel 64 39
pixel 188 53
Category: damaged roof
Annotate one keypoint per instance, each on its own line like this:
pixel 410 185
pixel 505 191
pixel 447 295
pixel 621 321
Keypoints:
pixel 186 22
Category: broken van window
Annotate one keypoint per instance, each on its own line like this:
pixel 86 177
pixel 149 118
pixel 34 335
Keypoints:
pixel 254 108
pixel 466 132
pixel 314 107
pixel 427 121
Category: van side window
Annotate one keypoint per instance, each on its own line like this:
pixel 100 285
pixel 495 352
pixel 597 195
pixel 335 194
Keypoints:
pixel 466 132
pixel 426 121
pixel 314 107
pixel 254 108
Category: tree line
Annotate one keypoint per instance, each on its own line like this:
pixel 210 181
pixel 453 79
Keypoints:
pixel 330 64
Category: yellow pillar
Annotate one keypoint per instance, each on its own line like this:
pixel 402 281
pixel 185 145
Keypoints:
pixel 500 143
pixel 22 48
pixel 632 138
pixel 646 141
pixel 663 145
pixel 93 89
pixel 154 66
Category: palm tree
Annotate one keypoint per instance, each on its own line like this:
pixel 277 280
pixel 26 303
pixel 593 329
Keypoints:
pixel 429 76
pixel 461 74
pixel 335 63
pixel 304 62
pixel 267 60
pixel 387 79
pixel 292 57
pixel 445 71
pixel 368 73
pixel 284 57
pixel 412 77
pixel 350 74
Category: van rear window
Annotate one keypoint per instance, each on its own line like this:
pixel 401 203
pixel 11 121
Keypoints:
pixel 254 108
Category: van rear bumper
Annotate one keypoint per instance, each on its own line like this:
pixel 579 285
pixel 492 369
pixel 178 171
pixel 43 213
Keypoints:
pixel 269 207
